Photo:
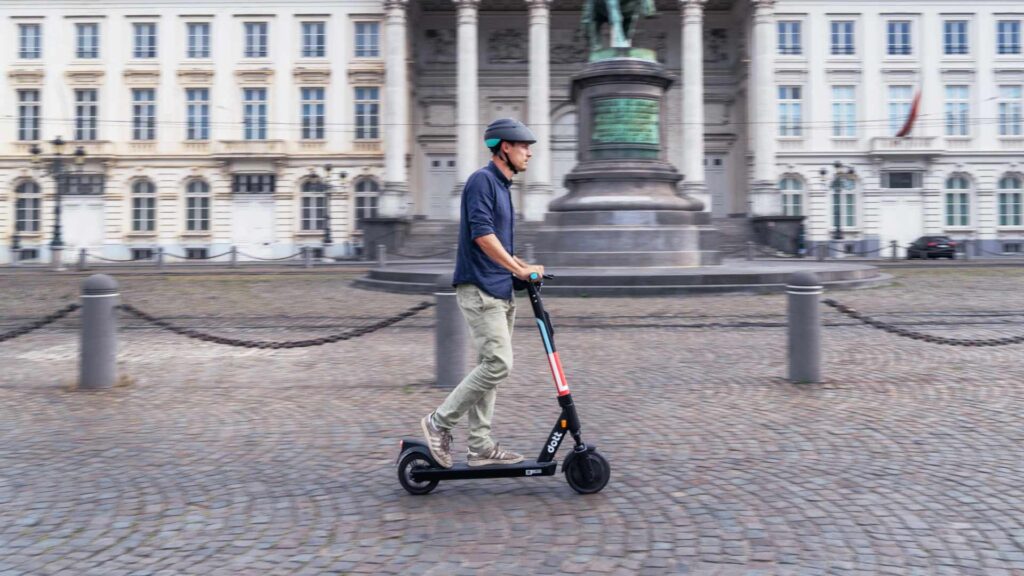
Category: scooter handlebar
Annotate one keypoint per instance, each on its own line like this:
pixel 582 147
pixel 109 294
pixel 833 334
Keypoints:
pixel 534 276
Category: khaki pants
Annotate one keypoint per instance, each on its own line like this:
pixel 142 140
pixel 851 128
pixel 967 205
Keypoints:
pixel 490 322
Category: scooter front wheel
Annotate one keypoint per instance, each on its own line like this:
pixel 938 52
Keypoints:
pixel 405 467
pixel 587 472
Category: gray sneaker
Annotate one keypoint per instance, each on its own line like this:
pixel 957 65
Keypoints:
pixel 439 440
pixel 496 455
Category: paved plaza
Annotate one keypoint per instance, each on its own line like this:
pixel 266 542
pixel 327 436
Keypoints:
pixel 210 460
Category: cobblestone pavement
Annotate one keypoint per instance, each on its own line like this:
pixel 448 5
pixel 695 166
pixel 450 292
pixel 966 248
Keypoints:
pixel 213 460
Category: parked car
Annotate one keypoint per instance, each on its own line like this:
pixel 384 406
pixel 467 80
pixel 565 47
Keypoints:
pixel 932 247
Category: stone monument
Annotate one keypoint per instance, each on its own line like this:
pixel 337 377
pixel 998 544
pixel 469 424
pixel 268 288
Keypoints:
pixel 623 208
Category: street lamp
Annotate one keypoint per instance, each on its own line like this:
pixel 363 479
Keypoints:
pixel 842 174
pixel 57 171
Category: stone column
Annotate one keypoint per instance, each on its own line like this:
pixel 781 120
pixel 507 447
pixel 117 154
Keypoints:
pixel 394 200
pixel 764 197
pixel 538 175
pixel 692 12
pixel 470 135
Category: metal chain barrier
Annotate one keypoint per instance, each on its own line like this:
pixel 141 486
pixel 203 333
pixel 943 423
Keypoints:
pixel 22 330
pixel 120 260
pixel 276 345
pixel 240 253
pixel 848 311
pixel 856 253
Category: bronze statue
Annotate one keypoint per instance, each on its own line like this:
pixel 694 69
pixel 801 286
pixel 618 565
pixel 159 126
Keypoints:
pixel 621 16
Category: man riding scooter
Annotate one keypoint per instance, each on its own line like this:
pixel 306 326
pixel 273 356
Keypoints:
pixel 484 268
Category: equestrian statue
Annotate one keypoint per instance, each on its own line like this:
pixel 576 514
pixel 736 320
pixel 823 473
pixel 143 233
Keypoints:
pixel 621 16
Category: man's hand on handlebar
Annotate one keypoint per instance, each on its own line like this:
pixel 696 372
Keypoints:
pixel 526 271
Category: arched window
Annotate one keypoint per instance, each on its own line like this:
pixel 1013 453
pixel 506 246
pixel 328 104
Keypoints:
pixel 143 206
pixel 28 205
pixel 1009 200
pixel 958 201
pixel 197 206
pixel 367 192
pixel 792 190
pixel 314 205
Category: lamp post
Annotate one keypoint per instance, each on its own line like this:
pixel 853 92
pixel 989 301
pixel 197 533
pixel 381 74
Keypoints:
pixel 838 178
pixel 57 171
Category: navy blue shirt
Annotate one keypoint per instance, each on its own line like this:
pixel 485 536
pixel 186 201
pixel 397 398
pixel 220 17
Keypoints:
pixel 486 209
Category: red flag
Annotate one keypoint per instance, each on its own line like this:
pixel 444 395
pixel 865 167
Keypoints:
pixel 909 124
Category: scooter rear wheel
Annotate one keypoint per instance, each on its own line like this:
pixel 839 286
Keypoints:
pixel 405 467
pixel 587 472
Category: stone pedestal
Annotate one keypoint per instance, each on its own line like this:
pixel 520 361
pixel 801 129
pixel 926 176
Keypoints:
pixel 623 207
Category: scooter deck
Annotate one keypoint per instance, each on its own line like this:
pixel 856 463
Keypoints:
pixel 462 471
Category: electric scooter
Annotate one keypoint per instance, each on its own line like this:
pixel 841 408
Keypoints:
pixel 586 471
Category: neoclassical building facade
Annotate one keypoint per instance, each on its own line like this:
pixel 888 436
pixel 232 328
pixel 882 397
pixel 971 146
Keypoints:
pixel 210 126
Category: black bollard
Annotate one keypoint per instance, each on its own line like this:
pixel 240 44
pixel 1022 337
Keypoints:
pixel 98 348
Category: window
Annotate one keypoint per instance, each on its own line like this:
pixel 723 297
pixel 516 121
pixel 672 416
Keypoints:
pixel 790 111
pixel 143 114
pixel 197 206
pixel 198 40
pixel 789 38
pixel 900 99
pixel 1011 247
pixel 30 41
pixel 366 200
pixel 314 39
pixel 142 253
pixel 1009 201
pixel 958 202
pixel 955 37
pixel 844 112
pixel 143 206
pixel 957 110
pixel 145 40
pixel 312 113
pixel 367 39
pixel 76 184
pixel 256 39
pixel 314 205
pixel 844 203
pixel 792 196
pixel 367 113
pixel 196 253
pixel 898 37
pixel 253 184
pixel 88 40
pixel 27 207
pixel 197 113
pixel 86 109
pixel 1011 105
pixel 255 113
pixel 28 115
pixel 1008 37
pixel 842 37
pixel 901 180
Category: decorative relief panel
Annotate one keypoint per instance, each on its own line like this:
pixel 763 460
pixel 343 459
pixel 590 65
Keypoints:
pixel 716 47
pixel 312 76
pixel 571 51
pixel 84 77
pixel 366 73
pixel 440 114
pixel 25 77
pixel 255 76
pixel 506 46
pixel 199 76
pixel 141 77
pixel 439 46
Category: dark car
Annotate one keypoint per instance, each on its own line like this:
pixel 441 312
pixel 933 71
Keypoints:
pixel 932 247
